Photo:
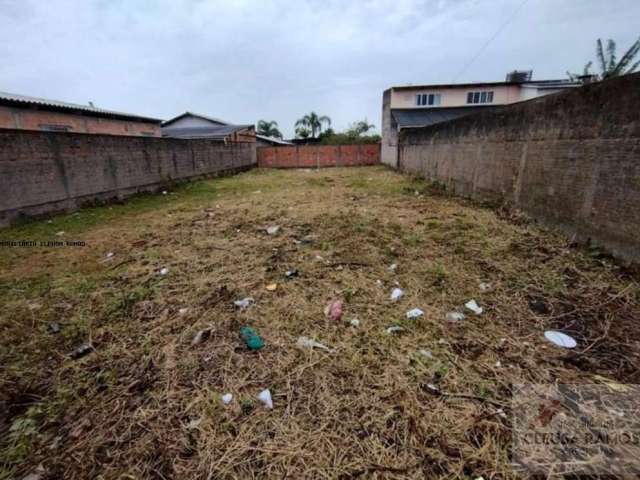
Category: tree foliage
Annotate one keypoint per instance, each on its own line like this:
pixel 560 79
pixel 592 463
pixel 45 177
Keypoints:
pixel 609 65
pixel 268 129
pixel 356 133
pixel 311 125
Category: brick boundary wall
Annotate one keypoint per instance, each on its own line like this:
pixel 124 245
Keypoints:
pixel 319 156
pixel 570 160
pixel 46 172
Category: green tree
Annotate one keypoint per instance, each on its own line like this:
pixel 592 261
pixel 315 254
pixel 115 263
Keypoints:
pixel 609 65
pixel 360 128
pixel 312 125
pixel 269 129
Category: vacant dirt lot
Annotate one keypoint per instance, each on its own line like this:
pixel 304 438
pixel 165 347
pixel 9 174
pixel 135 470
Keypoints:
pixel 146 402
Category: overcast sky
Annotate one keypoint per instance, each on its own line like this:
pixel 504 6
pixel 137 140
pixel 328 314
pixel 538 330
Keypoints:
pixel 244 60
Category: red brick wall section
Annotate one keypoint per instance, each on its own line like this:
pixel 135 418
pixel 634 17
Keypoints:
pixel 570 160
pixel 24 119
pixel 318 156
pixel 43 172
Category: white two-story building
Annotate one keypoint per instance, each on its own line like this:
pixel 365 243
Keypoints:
pixel 423 105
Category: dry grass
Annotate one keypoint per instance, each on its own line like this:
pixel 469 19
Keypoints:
pixel 146 403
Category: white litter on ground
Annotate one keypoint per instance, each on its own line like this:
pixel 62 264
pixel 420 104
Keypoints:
pixel 306 342
pixel 164 271
pixel 355 322
pixel 273 230
pixel 244 303
pixel 560 339
pixel 395 329
pixel 265 398
pixel 396 294
pixel 415 313
pixel 393 267
pixel 227 398
pixel 183 311
pixel 474 307
pixel 455 316
pixel 485 286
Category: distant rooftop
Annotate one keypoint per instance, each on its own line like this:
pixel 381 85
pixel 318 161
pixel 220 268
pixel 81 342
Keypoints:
pixel 13 99
pixel 215 132
pixel 516 77
pixel 192 114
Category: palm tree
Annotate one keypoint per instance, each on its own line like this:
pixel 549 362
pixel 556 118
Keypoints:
pixel 312 124
pixel 269 129
pixel 359 128
pixel 609 67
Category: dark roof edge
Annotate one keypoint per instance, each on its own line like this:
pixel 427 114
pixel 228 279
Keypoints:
pixel 192 114
pixel 564 82
pixel 64 107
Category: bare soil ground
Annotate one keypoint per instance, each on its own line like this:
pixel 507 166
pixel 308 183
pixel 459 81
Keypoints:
pixel 146 403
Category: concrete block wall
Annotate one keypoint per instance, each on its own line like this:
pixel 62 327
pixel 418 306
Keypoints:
pixel 44 172
pixel 571 160
pixel 319 156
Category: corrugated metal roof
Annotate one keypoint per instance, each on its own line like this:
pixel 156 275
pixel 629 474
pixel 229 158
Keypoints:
pixel 6 97
pixel 422 117
pixel 213 132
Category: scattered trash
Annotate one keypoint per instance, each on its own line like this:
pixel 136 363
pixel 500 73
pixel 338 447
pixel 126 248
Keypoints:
pixel 334 310
pixel 164 192
pixel 379 283
pixel 109 256
pixel 273 230
pixel 415 313
pixel 60 233
pixel 455 316
pixel 265 397
pixel 81 351
pixel 393 267
pixel 164 271
pixel 244 303
pixel 474 307
pixel 251 338
pixel 227 398
pixel 291 273
pixel 396 294
pixel 183 311
pixel 306 342
pixel 355 322
pixel 395 329
pixel 560 339
pixel 34 306
pixel 319 258
pixel 485 286
pixel 54 327
pixel 498 364
pixel 272 286
pixel 201 336
pixel 426 353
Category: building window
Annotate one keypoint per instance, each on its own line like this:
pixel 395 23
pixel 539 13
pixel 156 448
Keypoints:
pixel 479 97
pixel 428 99
pixel 54 128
